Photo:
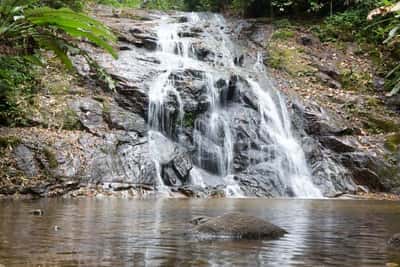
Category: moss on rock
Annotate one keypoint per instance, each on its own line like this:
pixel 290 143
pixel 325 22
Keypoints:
pixel 9 141
pixel 392 142
pixel 289 60
pixel 189 119
pixel 377 124
pixel 71 120
pixel 51 157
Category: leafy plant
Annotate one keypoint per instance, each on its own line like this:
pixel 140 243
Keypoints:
pixel 23 30
pixel 17 89
pixel 392 38
pixel 26 29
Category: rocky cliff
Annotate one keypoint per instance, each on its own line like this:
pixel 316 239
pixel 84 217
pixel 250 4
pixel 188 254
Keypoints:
pixel 127 141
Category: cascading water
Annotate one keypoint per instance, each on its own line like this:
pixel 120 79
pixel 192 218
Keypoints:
pixel 214 131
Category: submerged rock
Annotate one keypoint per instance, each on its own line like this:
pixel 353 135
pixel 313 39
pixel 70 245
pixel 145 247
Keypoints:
pixel 236 226
pixel 37 212
pixel 394 241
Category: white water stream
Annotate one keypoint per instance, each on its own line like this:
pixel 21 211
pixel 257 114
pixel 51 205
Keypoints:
pixel 176 53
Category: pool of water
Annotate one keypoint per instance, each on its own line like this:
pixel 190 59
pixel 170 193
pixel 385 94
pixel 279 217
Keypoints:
pixel 121 232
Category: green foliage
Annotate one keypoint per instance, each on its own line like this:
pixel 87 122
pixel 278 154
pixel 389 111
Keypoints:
pixel 51 157
pixel 17 89
pixel 377 125
pixel 73 24
pixel 26 28
pixel 392 142
pixel 58 30
pixel 71 120
pixel 189 119
pixel 9 141
pixel 166 4
pixel 346 26
pixel 391 26
pixel 282 23
pixel 76 5
pixel 356 80
pixel 352 26
pixel 283 34
pixel 120 3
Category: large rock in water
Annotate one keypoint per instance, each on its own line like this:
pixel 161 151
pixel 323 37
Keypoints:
pixel 236 226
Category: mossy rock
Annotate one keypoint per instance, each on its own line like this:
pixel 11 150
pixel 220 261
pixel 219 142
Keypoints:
pixel 288 60
pixel 7 142
pixel 189 119
pixel 392 142
pixel 71 120
pixel 282 23
pixel 51 157
pixel 356 80
pixel 283 34
pixel 377 124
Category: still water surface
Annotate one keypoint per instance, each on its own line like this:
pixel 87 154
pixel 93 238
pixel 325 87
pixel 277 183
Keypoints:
pixel 119 232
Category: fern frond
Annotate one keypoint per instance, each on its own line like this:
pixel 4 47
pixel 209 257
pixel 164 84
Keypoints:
pixel 74 24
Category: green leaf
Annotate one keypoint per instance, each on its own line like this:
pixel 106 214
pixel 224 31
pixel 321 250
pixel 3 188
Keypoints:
pixel 58 47
pixel 74 24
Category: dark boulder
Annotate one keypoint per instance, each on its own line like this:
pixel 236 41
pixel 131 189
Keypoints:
pixel 394 102
pixel 175 162
pixel 37 212
pixel 191 85
pixel 307 40
pixel 176 172
pixel 329 69
pixel 236 226
pixel 365 169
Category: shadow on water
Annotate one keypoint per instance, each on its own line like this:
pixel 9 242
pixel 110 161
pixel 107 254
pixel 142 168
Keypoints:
pixel 117 232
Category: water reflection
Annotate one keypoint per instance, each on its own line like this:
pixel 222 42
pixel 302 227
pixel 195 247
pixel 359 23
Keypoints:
pixel 116 232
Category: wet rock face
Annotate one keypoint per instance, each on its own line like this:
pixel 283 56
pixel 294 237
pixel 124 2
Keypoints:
pixel 176 162
pixel 262 181
pixel 177 171
pixel 334 152
pixel 123 160
pixel 235 226
pixel 124 120
pixel 366 170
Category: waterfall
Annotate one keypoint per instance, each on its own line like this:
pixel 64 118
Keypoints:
pixel 214 131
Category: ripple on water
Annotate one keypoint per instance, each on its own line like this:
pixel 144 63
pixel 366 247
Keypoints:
pixel 139 232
